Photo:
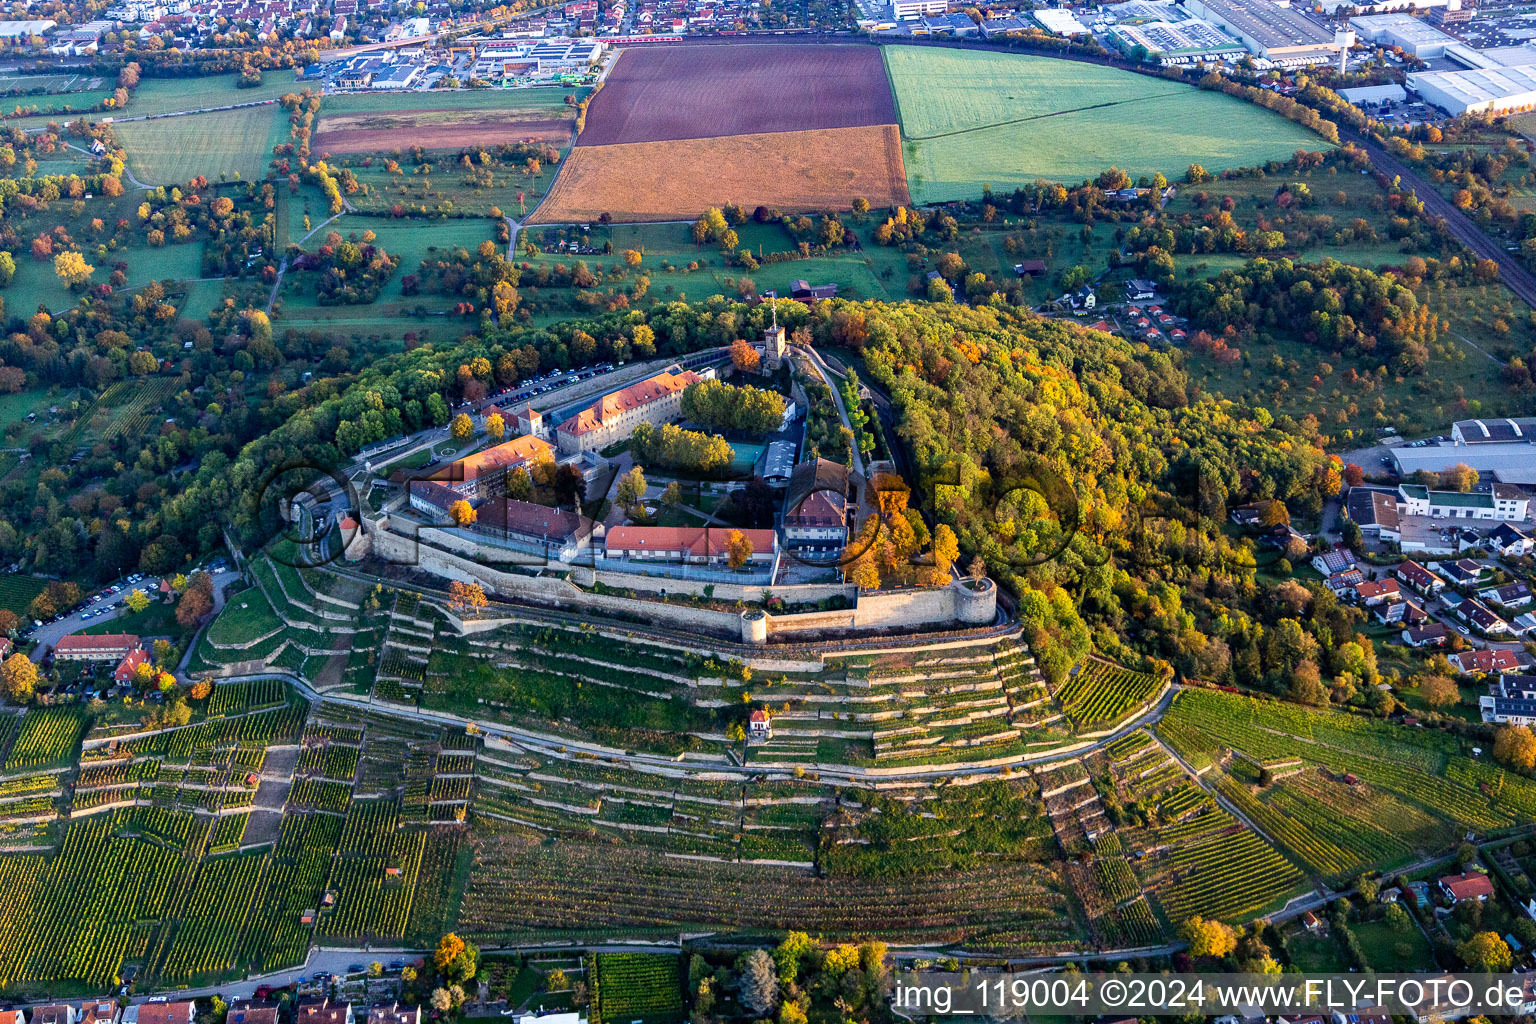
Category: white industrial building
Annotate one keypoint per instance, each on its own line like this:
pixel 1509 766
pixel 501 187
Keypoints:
pixel 1362 94
pixel 1332 7
pixel 1403 30
pixel 1476 91
pixel 14 31
pixel 911 10
pixel 1280 34
pixel 1059 22
pixel 1179 42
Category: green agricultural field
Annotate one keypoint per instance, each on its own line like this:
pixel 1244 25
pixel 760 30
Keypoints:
pixel 168 95
pixel 176 149
pixel 36 284
pixel 974 118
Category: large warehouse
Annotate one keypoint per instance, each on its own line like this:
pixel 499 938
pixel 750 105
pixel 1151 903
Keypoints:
pixel 1279 34
pixel 1412 34
pixel 1478 91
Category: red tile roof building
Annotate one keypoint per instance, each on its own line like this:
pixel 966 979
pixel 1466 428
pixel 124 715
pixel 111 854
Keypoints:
pixel 167 1013
pixel 125 669
pixel 248 1011
pixel 1469 662
pixel 696 545
pixel 103 647
pixel 105 1011
pixel 613 417
pixel 323 1011
pixel 1467 886
pixel 482 474
pixel 393 1013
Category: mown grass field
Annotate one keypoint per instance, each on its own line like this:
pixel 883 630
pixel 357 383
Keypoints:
pixel 973 118
pixel 172 150
pixel 166 95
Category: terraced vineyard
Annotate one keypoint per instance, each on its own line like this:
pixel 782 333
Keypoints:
pixel 1097 692
pixel 151 872
pixel 1416 788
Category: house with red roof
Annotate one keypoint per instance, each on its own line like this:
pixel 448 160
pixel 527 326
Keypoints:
pixel 1469 885
pixel 129 665
pixel 759 726
pixel 101 647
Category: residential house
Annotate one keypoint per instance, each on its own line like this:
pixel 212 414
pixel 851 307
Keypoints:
pixel 393 1012
pixel 804 291
pixel 1488 661
pixel 1509 541
pixel 1510 701
pixel 1510 595
pixel 1373 592
pixel 250 1011
pixel 1433 634
pixel 1469 885
pixel 55 1013
pixel 1420 578
pixel 1342 583
pixel 1336 559
pixel 102 647
pixel 181 1012
pixel 1390 611
pixel 1462 573
pixel 100 1011
pixel 323 1010
pixel 129 665
pixel 1140 290
pixel 1481 619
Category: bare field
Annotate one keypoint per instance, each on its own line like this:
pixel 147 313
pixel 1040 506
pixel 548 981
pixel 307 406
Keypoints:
pixel 803 170
pixel 435 129
pixel 704 91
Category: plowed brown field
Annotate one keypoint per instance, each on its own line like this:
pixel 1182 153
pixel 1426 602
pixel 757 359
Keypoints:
pixel 706 91
pixel 795 171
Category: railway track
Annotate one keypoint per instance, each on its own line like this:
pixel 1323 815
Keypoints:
pixel 1511 272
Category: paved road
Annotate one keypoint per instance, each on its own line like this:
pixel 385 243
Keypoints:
pixel 837 399
pixel 564 747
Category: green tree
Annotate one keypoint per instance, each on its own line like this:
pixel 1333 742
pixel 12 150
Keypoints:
pixel 1208 938
pixel 1486 951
